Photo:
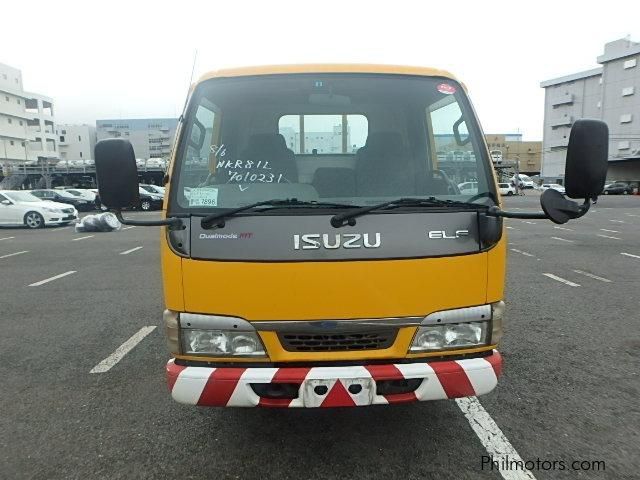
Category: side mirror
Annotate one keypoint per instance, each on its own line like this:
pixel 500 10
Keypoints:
pixel 117 174
pixel 6 202
pixel 587 153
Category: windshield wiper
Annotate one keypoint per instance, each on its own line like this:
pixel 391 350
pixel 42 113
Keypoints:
pixel 349 217
pixel 217 219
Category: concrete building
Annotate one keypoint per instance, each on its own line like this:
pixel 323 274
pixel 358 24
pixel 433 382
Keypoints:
pixel 321 142
pixel 27 121
pixel 610 93
pixel 76 143
pixel 508 151
pixel 511 149
pixel 150 137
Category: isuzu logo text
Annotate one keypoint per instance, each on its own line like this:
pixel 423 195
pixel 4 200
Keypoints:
pixel 441 234
pixel 314 241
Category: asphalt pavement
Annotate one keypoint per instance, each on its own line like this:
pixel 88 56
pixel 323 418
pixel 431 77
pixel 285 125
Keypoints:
pixel 569 391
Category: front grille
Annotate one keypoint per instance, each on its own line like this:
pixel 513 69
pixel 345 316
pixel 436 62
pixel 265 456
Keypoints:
pixel 334 342
pixel 67 210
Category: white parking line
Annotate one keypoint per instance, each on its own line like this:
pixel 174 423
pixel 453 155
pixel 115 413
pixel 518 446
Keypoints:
pixel 14 254
pixel 127 228
pixel 493 440
pixel 610 231
pixel 127 252
pixel 617 221
pixel 632 215
pixel 510 228
pixel 6 238
pixel 82 238
pixel 591 275
pixel 562 228
pixel 563 239
pixel 630 255
pixel 47 280
pixel 607 236
pixel 530 223
pixel 560 279
pixel 523 253
pixel 106 364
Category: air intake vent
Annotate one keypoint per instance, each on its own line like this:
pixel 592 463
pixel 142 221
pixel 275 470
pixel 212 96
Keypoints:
pixel 334 342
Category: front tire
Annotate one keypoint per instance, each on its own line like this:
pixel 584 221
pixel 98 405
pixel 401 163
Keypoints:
pixel 145 205
pixel 509 193
pixel 34 220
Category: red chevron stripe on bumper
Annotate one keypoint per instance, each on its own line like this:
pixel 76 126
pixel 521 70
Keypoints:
pixel 333 386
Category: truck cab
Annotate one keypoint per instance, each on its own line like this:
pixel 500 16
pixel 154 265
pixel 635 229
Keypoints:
pixel 317 250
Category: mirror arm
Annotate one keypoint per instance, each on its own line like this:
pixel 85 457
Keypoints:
pixel 496 212
pixel 173 222
pixel 573 212
pixel 584 208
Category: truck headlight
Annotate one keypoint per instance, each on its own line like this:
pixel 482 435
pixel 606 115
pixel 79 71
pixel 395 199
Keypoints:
pixel 460 328
pixel 221 343
pixel 218 336
pixel 450 336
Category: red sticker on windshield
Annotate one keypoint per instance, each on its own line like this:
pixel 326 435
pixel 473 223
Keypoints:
pixel 446 89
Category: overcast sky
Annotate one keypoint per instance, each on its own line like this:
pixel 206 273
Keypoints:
pixel 133 59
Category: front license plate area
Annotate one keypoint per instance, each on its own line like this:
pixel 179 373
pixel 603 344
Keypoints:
pixel 345 392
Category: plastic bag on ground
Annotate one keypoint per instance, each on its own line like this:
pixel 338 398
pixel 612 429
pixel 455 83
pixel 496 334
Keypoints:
pixel 102 222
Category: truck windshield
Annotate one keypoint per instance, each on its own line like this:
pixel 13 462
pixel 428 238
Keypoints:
pixel 356 139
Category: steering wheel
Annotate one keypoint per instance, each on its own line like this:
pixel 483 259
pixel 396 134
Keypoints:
pixel 442 178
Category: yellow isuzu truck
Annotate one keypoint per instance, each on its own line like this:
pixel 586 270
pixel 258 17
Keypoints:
pixel 317 248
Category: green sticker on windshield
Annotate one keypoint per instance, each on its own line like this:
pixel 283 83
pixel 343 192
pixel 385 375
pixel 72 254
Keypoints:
pixel 203 197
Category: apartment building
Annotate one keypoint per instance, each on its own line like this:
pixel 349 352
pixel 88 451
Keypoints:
pixel 150 137
pixel 610 93
pixel 27 122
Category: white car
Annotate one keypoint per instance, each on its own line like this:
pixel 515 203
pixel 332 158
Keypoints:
pixel 468 188
pixel 524 181
pixel 553 186
pixel 506 189
pixel 22 208
pixel 82 193
pixel 153 189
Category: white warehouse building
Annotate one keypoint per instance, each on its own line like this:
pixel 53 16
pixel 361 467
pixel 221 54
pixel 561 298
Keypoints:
pixel 76 143
pixel 610 93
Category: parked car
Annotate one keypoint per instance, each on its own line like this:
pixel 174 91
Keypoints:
pixel 148 201
pixel 81 204
pixel 506 189
pixel 155 163
pixel 468 188
pixel 618 188
pixel 153 189
pixel 554 186
pixel 19 207
pixel 82 193
pixel 524 181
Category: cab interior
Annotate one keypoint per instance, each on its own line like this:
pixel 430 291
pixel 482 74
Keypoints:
pixel 345 135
